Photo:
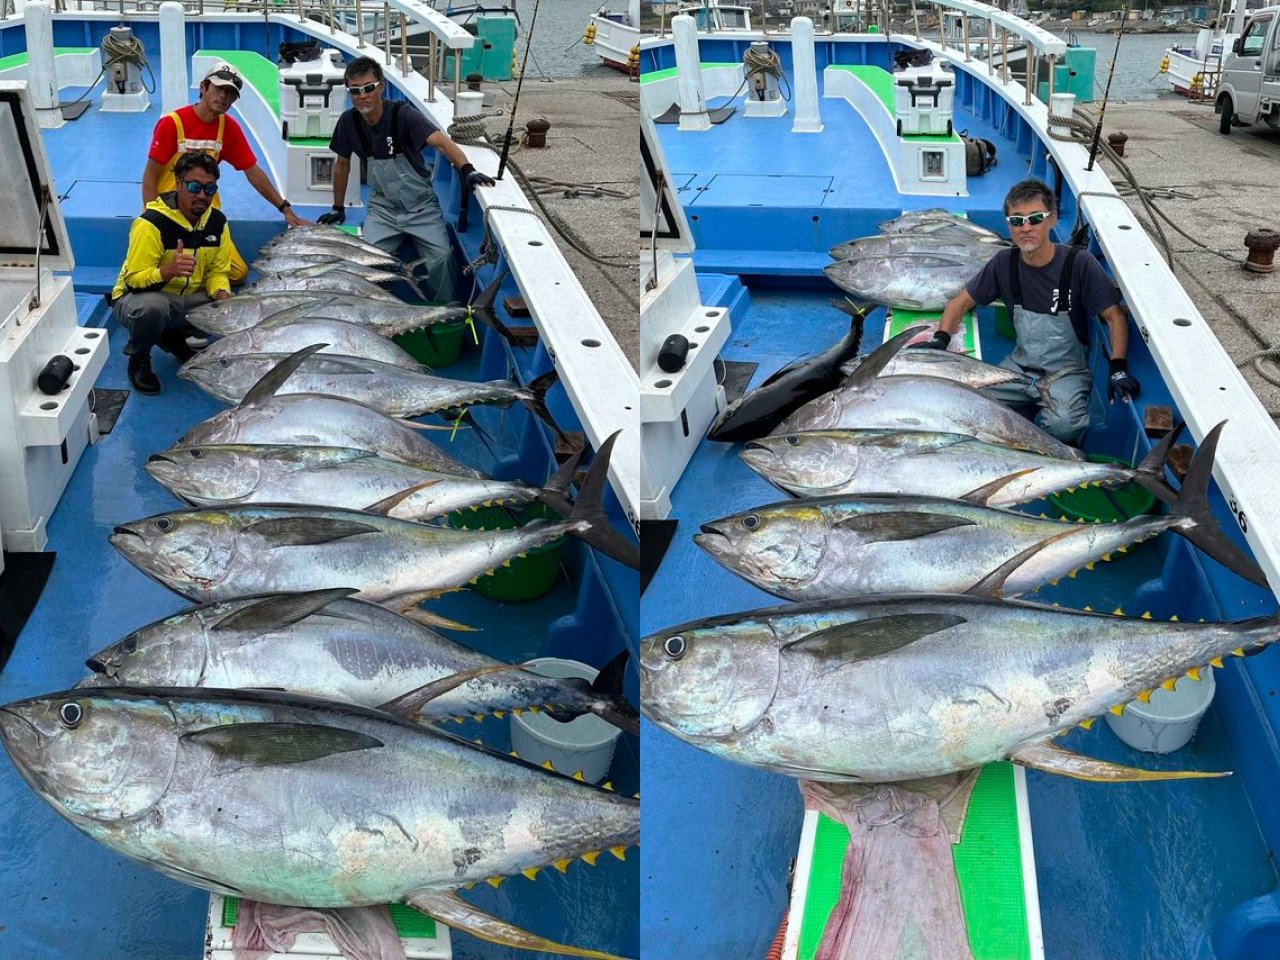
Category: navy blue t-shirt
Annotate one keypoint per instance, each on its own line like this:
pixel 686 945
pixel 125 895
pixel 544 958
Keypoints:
pixel 1091 290
pixel 409 139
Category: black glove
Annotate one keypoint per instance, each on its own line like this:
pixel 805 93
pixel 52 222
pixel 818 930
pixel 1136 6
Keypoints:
pixel 474 178
pixel 1122 385
pixel 939 341
pixel 334 217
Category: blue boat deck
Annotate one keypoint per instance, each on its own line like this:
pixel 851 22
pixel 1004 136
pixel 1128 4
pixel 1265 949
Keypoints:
pixel 1134 871
pixel 66 897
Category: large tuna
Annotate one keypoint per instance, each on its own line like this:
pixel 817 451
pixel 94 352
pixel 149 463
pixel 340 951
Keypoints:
pixel 304 802
pixel 980 245
pixel 908 281
pixel 290 332
pixel 939 223
pixel 896 688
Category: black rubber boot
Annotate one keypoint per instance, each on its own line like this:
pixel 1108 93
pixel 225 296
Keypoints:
pixel 175 342
pixel 140 375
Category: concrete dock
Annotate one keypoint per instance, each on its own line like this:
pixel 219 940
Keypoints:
pixel 1216 188
pixel 592 143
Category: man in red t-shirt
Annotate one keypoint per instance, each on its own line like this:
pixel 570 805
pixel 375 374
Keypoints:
pixel 205 126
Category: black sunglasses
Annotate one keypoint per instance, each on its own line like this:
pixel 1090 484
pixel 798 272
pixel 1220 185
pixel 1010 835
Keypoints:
pixel 364 88
pixel 193 188
pixel 225 74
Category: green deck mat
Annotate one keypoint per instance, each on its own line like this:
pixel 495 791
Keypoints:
pixel 410 924
pixel 257 70
pixel 900 320
pixel 18 59
pixel 988 869
pixel 880 81
pixel 671 71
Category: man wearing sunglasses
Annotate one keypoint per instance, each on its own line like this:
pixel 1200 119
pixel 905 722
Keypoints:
pixel 179 255
pixel 1052 290
pixel 205 126
pixel 390 135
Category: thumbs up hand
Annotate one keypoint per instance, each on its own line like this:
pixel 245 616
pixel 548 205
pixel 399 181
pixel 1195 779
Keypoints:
pixel 182 265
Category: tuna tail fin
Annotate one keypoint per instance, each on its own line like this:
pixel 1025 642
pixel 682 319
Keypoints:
pixel 1043 386
pixel 594 527
pixel 1149 474
pixel 1203 530
pixel 556 493
pixel 1050 759
pixel 483 307
pixel 871 366
pixel 274 378
pixel 407 274
pixel 858 310
pixel 537 403
pixel 611 706
pixel 455 912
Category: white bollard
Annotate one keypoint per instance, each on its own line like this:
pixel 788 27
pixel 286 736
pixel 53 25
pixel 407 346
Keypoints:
pixel 174 84
pixel 468 103
pixel 693 98
pixel 1061 105
pixel 42 78
pixel 804 69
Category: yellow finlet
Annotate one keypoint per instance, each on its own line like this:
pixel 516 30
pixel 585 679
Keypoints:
pixel 579 777
pixel 607 785
pixel 1170 683
pixel 495 882
pixel 1174 618
pixel 1117 612
pixel 619 852
pixel 531 873
pixel 1089 566
pixel 1238 651
pixel 562 865
pixel 592 857
pixel 1086 723
pixel 1118 709
pixel 1073 573
pixel 1146 615
pixel 500 714
pixel 1194 673
pixel 546 765
pixel 1145 696
pixel 1216 662
pixel 478 716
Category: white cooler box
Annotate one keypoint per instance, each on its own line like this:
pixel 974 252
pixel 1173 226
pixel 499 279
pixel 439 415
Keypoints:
pixel 312 96
pixel 923 98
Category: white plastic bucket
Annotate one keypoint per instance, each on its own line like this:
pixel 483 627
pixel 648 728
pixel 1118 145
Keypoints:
pixel 585 743
pixel 1169 721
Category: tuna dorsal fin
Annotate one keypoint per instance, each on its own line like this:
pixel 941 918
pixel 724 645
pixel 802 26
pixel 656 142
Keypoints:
pixel 451 910
pixel 282 610
pixel 387 504
pixel 307 531
pixel 273 744
pixel 871 366
pixel 982 494
pixel 992 585
pixel 295 313
pixel 900 525
pixel 274 378
pixel 410 704
pixel 1051 759
pixel 865 639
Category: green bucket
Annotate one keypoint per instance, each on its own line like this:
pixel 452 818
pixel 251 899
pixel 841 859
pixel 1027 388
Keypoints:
pixel 440 349
pixel 1106 505
pixel 1004 322
pixel 528 577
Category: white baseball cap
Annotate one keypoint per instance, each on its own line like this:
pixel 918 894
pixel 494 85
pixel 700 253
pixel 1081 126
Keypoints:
pixel 223 74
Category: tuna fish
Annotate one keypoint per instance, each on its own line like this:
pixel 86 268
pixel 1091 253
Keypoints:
pixel 222 475
pixel 758 411
pixel 949 365
pixel 330 278
pixel 284 263
pixel 938 223
pixel 855 462
pixel 947 244
pixel 245 310
pixel 303 802
pixel 321 644
pixel 313 420
pixel 908 281
pixel 207 554
pixel 285 333
pixel 392 389
pixel 869 401
pixel 858 546
pixel 895 688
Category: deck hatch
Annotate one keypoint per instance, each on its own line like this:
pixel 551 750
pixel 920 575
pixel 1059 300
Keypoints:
pixel 27 174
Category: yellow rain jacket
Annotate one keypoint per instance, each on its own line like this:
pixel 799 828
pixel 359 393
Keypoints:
pixel 153 241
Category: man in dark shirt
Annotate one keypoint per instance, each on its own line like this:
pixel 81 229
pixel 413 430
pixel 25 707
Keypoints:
pixel 390 136
pixel 1052 290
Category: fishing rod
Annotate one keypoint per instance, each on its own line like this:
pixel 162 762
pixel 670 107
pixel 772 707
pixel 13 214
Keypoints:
pixel 515 102
pixel 1106 94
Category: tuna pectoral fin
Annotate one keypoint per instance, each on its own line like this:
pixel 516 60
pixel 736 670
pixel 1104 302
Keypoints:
pixel 282 610
pixel 387 504
pixel 272 744
pixel 864 639
pixel 275 378
pixel 1050 759
pixel 460 915
pixel 900 525
pixel 408 606
pixel 1204 532
pixel 307 531
pixel 992 585
pixel 982 494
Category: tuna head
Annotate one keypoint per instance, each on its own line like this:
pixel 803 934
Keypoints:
pixel 206 474
pixel 782 544
pixel 710 680
pixel 160 654
pixel 209 373
pixel 188 551
pixel 815 461
pixel 89 758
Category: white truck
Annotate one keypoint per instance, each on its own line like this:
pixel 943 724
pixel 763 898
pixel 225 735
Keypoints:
pixel 1249 90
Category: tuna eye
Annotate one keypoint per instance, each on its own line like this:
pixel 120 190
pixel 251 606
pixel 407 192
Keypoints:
pixel 751 522
pixel 129 645
pixel 222 361
pixel 675 647
pixel 197 453
pixel 793 440
pixel 70 713
pixel 164 523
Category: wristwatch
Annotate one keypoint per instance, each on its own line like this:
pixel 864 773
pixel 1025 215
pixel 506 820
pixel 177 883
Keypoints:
pixel 283 204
